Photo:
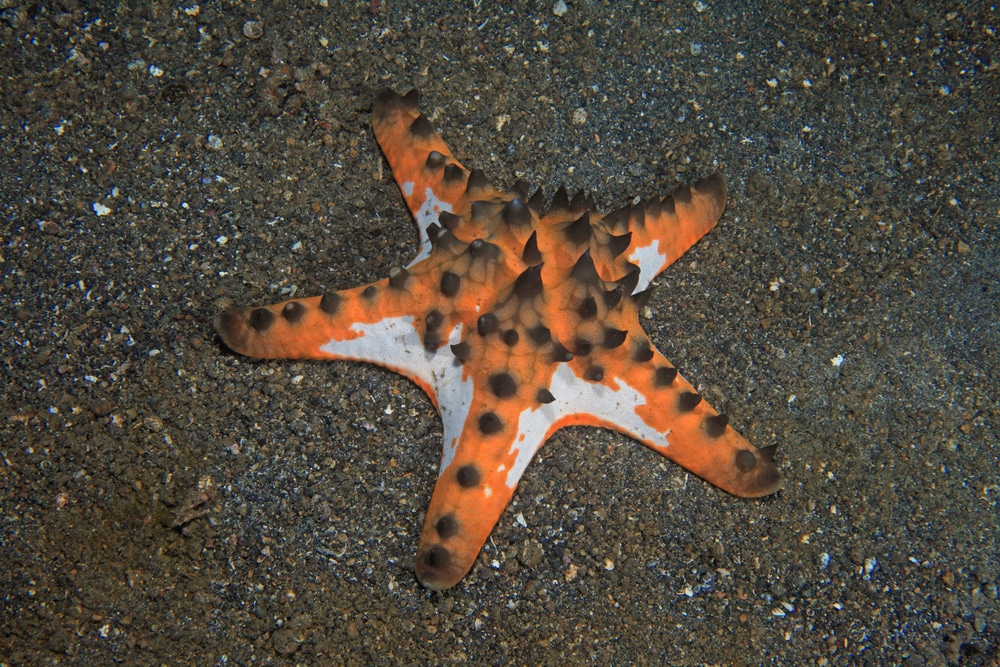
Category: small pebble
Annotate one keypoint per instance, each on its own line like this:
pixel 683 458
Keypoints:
pixel 560 8
pixel 253 29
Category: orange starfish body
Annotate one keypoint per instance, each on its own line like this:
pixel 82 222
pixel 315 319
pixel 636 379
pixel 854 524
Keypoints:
pixel 516 324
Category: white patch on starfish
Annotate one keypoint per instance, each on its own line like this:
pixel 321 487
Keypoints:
pixel 575 396
pixel 649 260
pixel 425 217
pixel 395 343
pixel 454 396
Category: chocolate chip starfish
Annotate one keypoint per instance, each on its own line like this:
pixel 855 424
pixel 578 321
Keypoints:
pixel 516 324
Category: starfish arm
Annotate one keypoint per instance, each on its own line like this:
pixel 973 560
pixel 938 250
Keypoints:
pixel 663 229
pixel 381 323
pixel 431 179
pixel 481 467
pixel 650 402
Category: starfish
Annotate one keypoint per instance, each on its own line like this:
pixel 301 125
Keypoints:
pixel 516 323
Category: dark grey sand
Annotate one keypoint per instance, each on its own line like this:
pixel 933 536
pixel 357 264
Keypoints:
pixel 167 502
